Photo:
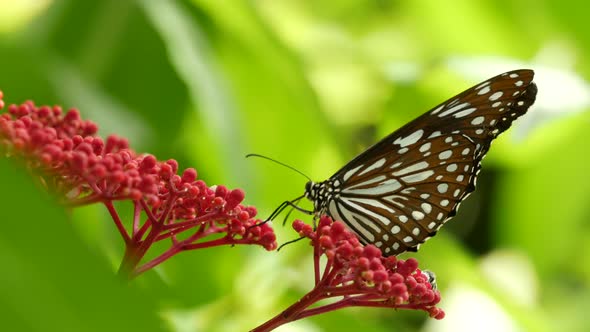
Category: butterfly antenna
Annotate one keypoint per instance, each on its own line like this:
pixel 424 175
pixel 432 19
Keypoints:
pixel 278 162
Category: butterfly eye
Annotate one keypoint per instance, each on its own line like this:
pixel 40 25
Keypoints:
pixel 399 192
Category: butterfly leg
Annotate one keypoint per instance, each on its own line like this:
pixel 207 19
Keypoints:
pixel 281 207
pixel 289 242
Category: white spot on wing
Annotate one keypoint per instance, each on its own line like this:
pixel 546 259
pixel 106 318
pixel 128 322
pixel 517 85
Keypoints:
pixel 417 215
pixel 442 188
pixel 418 177
pixel 351 172
pixel 396 165
pixel 445 154
pixel 484 90
pixel 482 85
pixel 453 109
pixel 464 112
pixel 435 134
pixel 427 208
pixel 478 120
pixel 425 147
pixel 496 95
pixel 438 109
pixel 411 168
pixel 410 139
pixel 375 165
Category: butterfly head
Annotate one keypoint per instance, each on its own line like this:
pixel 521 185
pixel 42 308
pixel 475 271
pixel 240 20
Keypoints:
pixel 316 193
pixel 312 190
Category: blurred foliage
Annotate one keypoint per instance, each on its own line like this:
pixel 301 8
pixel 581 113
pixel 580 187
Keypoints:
pixel 310 83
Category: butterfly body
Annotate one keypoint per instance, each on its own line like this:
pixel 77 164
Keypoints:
pixel 400 191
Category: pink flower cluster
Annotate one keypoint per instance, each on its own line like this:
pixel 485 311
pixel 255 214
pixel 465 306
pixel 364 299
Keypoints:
pixel 357 275
pixel 83 168
pixel 354 269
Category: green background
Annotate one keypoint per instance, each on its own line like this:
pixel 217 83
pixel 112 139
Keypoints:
pixel 310 83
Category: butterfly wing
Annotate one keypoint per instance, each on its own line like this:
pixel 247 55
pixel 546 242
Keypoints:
pixel 400 191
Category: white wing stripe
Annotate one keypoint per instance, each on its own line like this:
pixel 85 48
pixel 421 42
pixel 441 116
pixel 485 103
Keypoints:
pixel 411 168
pixel 453 109
pixel 359 208
pixel 350 173
pixel 348 217
pixel 368 201
pixel 368 182
pixel 375 165
pixel 388 186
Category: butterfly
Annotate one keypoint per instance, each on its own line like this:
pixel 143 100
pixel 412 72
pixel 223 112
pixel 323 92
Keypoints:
pixel 400 191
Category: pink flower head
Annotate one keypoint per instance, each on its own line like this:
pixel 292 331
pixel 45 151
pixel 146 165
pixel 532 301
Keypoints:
pixel 357 275
pixel 82 168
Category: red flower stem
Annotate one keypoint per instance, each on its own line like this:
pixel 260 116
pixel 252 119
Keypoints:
pixel 169 204
pixel 147 243
pixel 208 244
pixel 147 210
pixel 175 232
pixel 316 262
pixel 194 221
pixel 327 273
pixel 325 308
pixel 178 247
pixel 87 200
pixel 123 268
pixel 199 234
pixel 386 304
pixel 136 218
pixel 118 222
pixel 292 313
pixel 156 261
pixel 344 303
pixel 136 253
pixel 148 222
